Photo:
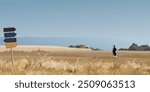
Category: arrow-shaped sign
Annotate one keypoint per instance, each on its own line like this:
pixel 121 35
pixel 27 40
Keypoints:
pixel 7 40
pixel 10 29
pixel 11 45
pixel 9 34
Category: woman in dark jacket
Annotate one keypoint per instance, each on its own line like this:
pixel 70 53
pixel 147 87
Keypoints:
pixel 114 51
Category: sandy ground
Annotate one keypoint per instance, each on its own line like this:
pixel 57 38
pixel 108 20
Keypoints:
pixel 53 51
pixel 58 49
pixel 28 48
pixel 80 52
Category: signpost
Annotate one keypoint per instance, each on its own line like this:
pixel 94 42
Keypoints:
pixel 9 34
pixel 10 39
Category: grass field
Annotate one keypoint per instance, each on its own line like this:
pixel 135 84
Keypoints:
pixel 66 61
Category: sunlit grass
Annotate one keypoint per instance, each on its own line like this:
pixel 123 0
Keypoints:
pixel 43 63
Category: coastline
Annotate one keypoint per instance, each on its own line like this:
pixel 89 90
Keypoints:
pixel 28 48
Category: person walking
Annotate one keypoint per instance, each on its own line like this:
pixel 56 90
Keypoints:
pixel 114 51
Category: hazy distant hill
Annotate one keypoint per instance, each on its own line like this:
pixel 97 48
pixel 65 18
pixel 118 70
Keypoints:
pixel 84 46
pixel 135 47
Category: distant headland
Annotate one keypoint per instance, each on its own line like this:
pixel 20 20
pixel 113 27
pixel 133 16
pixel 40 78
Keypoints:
pixel 84 46
pixel 136 47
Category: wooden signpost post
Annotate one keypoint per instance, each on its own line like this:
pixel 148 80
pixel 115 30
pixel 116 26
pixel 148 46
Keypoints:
pixel 10 39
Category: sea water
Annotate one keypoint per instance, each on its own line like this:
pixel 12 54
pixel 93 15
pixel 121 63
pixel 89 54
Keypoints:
pixel 105 44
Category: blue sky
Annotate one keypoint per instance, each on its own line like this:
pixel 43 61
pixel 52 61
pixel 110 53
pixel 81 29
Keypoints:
pixel 122 20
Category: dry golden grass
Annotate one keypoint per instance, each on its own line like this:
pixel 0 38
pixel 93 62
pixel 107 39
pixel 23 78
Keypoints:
pixel 75 63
